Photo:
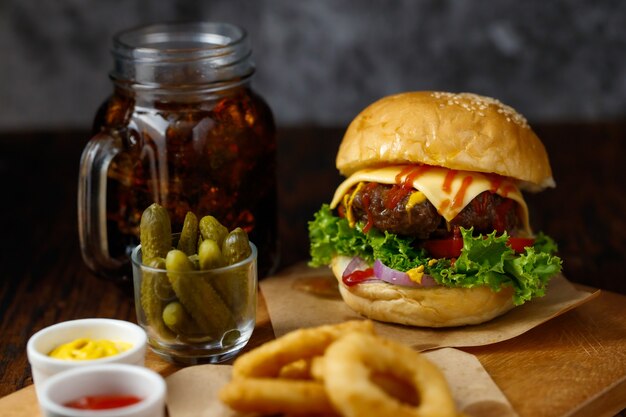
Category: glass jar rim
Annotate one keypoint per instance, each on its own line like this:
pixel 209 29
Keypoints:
pixel 183 57
pixel 195 39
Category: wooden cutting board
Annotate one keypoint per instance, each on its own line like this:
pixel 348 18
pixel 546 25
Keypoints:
pixel 573 365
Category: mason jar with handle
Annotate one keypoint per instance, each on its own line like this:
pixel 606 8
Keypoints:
pixel 182 128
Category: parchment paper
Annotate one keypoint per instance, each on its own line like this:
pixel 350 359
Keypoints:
pixel 306 297
pixel 192 392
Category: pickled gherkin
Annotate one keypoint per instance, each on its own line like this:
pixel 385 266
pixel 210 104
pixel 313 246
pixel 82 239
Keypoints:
pixel 188 241
pixel 160 283
pixel 155 233
pixel 176 317
pixel 211 228
pixel 198 296
pixel 210 255
pixel 236 246
pixel 156 240
pixel 195 260
pixel 233 287
pixel 155 289
pixel 181 296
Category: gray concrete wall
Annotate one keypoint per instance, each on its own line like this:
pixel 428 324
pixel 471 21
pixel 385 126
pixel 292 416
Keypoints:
pixel 320 62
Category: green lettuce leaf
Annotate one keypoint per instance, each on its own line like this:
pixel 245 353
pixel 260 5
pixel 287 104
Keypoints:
pixel 484 260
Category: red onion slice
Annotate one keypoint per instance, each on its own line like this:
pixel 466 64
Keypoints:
pixel 357 271
pixel 393 276
pixel 384 273
pixel 428 281
pixel 356 264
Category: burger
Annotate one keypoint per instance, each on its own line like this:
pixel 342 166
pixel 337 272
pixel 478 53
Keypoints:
pixel 430 227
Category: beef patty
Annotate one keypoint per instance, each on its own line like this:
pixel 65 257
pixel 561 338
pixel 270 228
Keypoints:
pixel 486 213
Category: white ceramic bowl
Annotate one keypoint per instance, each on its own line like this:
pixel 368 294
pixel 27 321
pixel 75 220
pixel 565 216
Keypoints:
pixel 42 343
pixel 104 379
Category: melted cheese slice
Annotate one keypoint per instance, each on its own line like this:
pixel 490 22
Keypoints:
pixel 449 191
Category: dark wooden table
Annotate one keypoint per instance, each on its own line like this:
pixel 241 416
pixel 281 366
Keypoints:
pixel 44 281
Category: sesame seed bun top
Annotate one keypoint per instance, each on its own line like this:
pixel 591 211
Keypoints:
pixel 457 131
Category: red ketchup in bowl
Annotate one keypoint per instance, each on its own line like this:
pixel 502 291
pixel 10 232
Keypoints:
pixel 103 402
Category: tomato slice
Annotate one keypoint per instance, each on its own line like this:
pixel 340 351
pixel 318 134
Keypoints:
pixel 444 248
pixel 451 248
pixel 519 243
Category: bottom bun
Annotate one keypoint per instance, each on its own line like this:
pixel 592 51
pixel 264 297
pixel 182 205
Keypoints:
pixel 425 307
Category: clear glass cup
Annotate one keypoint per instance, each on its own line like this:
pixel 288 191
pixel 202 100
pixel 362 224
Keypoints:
pixel 199 316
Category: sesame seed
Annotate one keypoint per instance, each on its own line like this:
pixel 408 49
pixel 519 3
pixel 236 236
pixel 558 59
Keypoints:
pixel 476 104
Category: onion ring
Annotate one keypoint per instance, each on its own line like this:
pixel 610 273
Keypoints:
pixel 267 360
pixel 300 369
pixel 271 395
pixel 276 377
pixel 350 362
pixel 305 414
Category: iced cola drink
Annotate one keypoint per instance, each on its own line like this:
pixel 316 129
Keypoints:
pixel 195 138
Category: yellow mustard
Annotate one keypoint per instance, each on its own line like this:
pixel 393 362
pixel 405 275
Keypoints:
pixel 348 200
pixel 416 198
pixel 416 274
pixel 86 349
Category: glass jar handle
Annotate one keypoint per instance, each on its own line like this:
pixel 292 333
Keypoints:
pixel 92 197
